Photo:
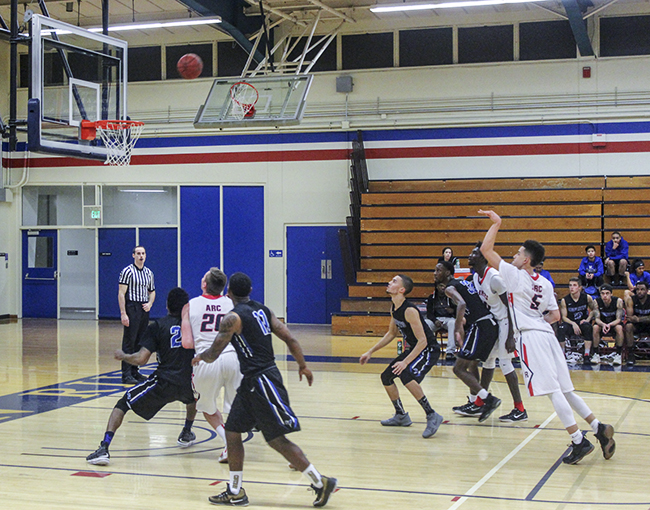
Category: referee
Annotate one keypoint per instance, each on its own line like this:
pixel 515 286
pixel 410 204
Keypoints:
pixel 136 295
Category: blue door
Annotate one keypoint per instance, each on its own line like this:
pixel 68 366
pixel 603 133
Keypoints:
pixel 162 258
pixel 315 277
pixel 40 268
pixel 115 253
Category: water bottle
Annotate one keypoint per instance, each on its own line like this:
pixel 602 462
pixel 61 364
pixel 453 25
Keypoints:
pixel 400 347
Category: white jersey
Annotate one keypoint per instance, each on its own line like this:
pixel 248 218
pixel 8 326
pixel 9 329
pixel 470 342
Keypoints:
pixel 490 286
pixel 206 313
pixel 529 296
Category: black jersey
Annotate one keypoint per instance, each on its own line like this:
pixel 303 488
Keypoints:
pixel 577 311
pixel 405 328
pixel 476 309
pixel 608 313
pixel 254 345
pixel 641 309
pixel 163 336
pixel 439 305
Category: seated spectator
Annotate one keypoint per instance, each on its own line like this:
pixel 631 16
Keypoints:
pixel 539 269
pixel 638 274
pixel 609 321
pixel 616 253
pixel 448 255
pixel 577 310
pixel 637 307
pixel 591 271
pixel 441 315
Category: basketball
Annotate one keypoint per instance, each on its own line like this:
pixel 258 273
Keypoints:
pixel 190 66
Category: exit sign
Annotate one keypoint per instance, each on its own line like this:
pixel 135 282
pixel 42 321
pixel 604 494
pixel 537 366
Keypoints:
pixel 95 214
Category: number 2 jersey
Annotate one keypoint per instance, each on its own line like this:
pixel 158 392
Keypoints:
pixel 206 313
pixel 529 296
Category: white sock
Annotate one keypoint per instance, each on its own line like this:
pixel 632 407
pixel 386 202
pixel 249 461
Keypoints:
pixel 594 425
pixel 235 481
pixel 483 393
pixel 221 432
pixel 576 437
pixel 313 475
pixel 472 398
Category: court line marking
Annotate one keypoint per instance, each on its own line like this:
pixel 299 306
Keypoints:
pixel 503 462
pixel 300 485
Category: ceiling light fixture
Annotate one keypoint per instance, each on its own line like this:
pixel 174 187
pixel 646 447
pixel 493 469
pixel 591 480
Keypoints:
pixel 161 24
pixel 419 6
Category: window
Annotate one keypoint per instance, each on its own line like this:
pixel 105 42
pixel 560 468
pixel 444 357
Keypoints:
pixel 431 46
pixel 485 44
pixel 628 35
pixel 546 40
pixel 367 51
pixel 52 205
pixel 139 205
pixel 231 59
pixel 326 62
pixel 145 64
pixel 174 53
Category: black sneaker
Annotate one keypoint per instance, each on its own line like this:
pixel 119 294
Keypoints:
pixel 631 359
pixel 456 408
pixel 186 438
pixel 605 436
pixel 490 403
pixel 514 416
pixel 469 409
pixel 228 498
pixel 578 451
pixel 100 457
pixel 323 493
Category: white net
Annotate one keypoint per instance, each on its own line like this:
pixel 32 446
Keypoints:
pixel 119 138
pixel 244 96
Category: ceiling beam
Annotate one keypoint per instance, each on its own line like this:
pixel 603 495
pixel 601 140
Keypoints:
pixel 327 8
pixel 579 27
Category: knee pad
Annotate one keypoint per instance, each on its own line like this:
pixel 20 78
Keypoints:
pixel 490 363
pixel 506 366
pixel 122 405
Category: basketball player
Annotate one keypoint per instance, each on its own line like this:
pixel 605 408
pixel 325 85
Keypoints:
pixel 201 318
pixel 421 352
pixel 477 343
pixel 638 318
pixel 492 290
pixel 610 320
pixel 171 381
pixel 577 310
pixel 135 296
pixel 261 399
pixel 544 367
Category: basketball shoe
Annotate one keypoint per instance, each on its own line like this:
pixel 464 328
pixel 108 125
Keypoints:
pixel 605 436
pixel 398 420
pixel 433 424
pixel 469 409
pixel 578 451
pixel 186 438
pixel 100 457
pixel 514 416
pixel 228 498
pixel 323 493
pixel 490 403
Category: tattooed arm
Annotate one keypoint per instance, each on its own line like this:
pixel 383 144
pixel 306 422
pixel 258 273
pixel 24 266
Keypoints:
pixel 230 325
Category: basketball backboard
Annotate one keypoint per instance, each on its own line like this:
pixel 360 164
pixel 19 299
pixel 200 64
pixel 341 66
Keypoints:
pixel 280 101
pixel 75 74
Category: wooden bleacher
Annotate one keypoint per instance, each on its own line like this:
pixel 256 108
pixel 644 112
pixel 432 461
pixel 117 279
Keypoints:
pixel 406 224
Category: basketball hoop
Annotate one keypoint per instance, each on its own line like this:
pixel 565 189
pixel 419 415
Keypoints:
pixel 118 136
pixel 244 96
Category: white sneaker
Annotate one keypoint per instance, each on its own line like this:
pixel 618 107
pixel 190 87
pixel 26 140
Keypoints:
pixel 595 359
pixel 223 458
pixel 616 360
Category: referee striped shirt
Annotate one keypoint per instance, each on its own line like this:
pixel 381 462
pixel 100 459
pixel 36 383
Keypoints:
pixel 139 282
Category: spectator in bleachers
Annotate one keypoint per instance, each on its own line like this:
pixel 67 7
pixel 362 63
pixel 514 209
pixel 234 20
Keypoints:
pixel 448 255
pixel 616 254
pixel 609 321
pixel 539 269
pixel 578 311
pixel 441 315
pixel 591 271
pixel 637 274
pixel 637 308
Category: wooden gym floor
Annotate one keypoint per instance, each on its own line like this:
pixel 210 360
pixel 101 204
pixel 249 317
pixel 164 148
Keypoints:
pixel 59 382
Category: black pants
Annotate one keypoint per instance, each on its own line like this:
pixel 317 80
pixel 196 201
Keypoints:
pixel 138 321
pixel 565 331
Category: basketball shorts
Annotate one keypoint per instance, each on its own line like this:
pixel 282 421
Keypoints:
pixel 151 395
pixel 418 368
pixel 262 402
pixel 499 350
pixel 641 329
pixel 543 363
pixel 209 378
pixel 480 338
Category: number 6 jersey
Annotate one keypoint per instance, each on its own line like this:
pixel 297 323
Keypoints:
pixel 206 313
pixel 529 296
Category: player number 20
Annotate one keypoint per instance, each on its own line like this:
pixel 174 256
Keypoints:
pixel 211 322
